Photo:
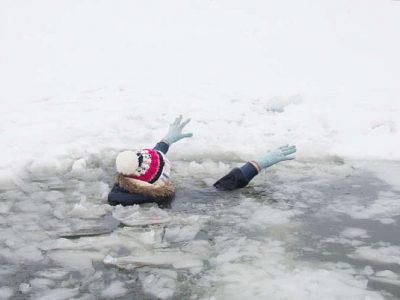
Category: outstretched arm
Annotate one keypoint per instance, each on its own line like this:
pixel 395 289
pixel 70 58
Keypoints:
pixel 173 135
pixel 240 177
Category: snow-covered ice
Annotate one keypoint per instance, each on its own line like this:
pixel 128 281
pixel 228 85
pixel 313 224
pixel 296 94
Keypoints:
pixel 83 80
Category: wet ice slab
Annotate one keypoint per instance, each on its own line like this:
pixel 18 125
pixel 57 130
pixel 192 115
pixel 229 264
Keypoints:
pixel 138 216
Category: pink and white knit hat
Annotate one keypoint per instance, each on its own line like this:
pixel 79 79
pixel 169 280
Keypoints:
pixel 145 165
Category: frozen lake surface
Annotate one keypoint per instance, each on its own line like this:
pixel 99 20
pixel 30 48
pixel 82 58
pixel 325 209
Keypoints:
pixel 85 80
pixel 302 230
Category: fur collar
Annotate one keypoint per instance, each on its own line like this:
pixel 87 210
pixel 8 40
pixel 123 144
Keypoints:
pixel 159 193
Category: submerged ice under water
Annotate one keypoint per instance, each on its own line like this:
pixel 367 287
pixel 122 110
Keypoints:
pixel 304 230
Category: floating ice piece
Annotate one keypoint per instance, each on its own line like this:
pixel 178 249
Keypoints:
pixel 25 288
pixel 79 165
pixel 74 260
pixel 55 274
pixel 29 253
pixel 6 292
pixel 88 210
pixel 387 221
pixel 178 260
pixel 368 270
pixel 383 208
pixel 158 282
pixel 384 255
pixel 388 284
pixel 41 283
pixel 257 214
pixel 352 232
pixel 138 216
pixel 181 233
pixel 387 274
pixel 78 227
pixel 59 294
pixel 115 289
pixel 386 280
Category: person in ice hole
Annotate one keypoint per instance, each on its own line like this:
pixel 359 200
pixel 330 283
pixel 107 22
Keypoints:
pixel 144 176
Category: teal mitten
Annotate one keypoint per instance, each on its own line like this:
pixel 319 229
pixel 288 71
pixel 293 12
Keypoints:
pixel 175 131
pixel 273 157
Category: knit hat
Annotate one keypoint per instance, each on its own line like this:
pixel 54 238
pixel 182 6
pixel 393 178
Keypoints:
pixel 145 165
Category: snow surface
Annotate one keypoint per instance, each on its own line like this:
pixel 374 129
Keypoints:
pixel 80 78
pixel 83 80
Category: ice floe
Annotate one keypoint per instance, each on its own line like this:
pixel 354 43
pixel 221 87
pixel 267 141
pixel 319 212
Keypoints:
pixel 139 216
pixel 115 289
pixel 159 283
pixel 176 260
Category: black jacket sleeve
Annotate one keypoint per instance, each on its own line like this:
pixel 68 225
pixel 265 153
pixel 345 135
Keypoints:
pixel 161 146
pixel 237 178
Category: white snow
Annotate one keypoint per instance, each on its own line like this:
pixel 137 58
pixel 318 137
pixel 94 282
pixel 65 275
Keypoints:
pixel 325 77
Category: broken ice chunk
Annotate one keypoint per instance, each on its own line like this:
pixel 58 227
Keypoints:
pixel 77 227
pixel 387 274
pixel 80 261
pixel 181 233
pixel 85 209
pixel 178 260
pixel 158 282
pixel 24 288
pixel 138 216
pixel 59 294
pixel 54 273
pixel 115 289
pixel 6 292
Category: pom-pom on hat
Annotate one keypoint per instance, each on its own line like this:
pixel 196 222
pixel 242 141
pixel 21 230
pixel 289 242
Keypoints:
pixel 127 162
pixel 144 165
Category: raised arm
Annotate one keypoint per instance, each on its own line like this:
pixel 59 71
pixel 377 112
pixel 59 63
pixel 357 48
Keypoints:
pixel 240 177
pixel 173 135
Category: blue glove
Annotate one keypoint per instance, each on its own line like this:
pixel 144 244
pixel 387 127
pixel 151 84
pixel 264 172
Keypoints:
pixel 273 157
pixel 175 131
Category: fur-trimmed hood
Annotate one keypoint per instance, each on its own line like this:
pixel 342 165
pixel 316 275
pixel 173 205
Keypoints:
pixel 159 193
